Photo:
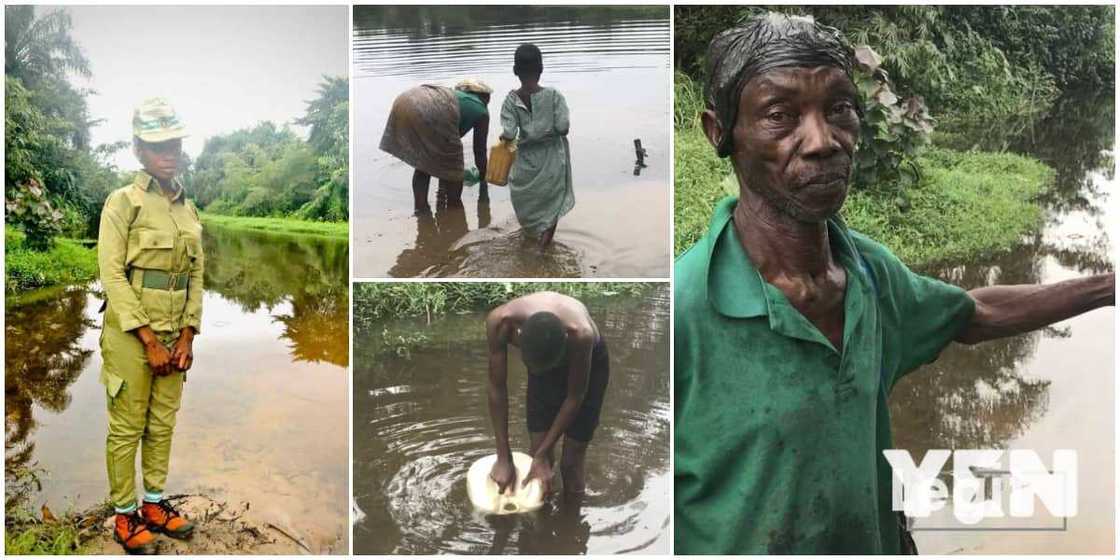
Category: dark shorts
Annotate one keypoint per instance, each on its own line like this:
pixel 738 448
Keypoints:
pixel 547 391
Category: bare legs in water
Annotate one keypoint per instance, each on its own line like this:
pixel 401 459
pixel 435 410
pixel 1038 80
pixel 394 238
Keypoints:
pixel 450 193
pixel 572 460
pixel 546 237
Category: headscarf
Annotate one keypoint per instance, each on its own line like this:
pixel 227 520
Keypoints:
pixel 472 85
pixel 764 43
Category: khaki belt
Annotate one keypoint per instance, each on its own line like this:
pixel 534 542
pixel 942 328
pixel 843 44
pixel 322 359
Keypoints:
pixel 161 279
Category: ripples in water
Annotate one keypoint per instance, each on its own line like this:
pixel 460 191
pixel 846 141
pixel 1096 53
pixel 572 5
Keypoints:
pixel 427 43
pixel 424 421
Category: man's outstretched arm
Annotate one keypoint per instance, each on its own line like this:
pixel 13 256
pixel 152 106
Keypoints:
pixel 1009 310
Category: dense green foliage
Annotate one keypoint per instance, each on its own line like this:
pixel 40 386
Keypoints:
pixel 328 117
pixel 54 181
pixel 893 130
pixel 262 171
pixel 270 171
pixel 971 64
pixel 67 262
pixel 378 301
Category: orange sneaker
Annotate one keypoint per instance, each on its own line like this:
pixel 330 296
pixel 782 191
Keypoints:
pixel 163 518
pixel 133 534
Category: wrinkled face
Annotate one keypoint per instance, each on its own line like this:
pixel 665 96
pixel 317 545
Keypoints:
pixel 795 139
pixel 160 160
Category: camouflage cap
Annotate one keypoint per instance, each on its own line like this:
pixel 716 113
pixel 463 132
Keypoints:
pixel 155 121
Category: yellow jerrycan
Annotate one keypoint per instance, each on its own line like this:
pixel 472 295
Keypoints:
pixel 500 162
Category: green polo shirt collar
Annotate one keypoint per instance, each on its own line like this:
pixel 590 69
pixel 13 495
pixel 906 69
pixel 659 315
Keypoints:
pixel 736 289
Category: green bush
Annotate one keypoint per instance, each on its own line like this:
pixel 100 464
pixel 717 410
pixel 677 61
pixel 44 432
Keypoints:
pixel 974 66
pixel 893 130
pixel 1073 44
pixel 65 262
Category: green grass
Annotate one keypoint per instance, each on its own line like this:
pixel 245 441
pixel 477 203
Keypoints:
pixel 68 262
pixel 280 225
pixel 375 301
pixel 40 538
pixel 26 532
pixel 967 203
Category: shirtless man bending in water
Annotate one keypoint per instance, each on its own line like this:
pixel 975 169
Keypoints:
pixel 568 370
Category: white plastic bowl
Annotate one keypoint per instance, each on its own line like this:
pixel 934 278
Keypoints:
pixel 483 491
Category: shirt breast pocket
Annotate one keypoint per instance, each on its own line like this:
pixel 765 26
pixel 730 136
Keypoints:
pixel 156 250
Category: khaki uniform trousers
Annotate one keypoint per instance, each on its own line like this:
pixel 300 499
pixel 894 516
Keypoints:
pixel 142 409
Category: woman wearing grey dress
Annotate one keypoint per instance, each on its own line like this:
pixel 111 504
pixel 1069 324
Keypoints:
pixel 537 118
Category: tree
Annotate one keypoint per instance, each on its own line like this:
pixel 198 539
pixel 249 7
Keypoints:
pixel 41 54
pixel 40 49
pixel 328 117
pixel 54 182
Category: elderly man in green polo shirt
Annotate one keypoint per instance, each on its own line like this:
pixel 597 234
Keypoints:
pixel 790 329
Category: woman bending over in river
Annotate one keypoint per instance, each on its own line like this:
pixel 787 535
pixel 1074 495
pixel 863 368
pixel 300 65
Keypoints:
pixel 425 129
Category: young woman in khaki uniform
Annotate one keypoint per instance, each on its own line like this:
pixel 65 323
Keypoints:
pixel 149 251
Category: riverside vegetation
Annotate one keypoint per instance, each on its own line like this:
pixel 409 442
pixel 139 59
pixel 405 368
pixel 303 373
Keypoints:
pixel 411 306
pixel 947 94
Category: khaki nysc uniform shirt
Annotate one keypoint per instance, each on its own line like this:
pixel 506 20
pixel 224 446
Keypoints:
pixel 147 244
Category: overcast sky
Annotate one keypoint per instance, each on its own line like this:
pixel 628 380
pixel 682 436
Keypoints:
pixel 222 67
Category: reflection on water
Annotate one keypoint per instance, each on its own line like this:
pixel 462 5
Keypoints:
pixel 271 359
pixel 1047 390
pixel 42 359
pixel 612 65
pixel 420 423
pixel 307 272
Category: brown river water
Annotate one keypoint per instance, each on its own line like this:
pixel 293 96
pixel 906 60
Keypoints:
pixel 1047 390
pixel 611 64
pixel 263 416
pixel 420 422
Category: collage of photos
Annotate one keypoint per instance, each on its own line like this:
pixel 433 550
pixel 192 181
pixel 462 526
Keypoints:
pixel 657 278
